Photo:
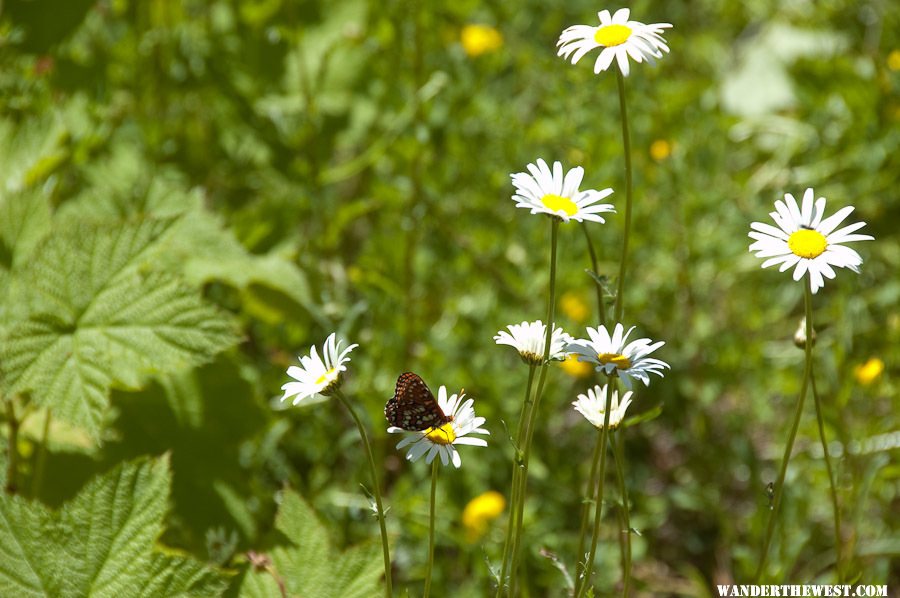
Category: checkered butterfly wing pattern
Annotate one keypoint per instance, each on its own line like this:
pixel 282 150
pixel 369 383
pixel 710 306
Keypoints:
pixel 413 407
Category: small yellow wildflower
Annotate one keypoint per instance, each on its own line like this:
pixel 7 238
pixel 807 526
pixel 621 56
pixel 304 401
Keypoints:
pixel 893 60
pixel 574 306
pixel 480 511
pixel 480 39
pixel 660 150
pixel 575 368
pixel 867 372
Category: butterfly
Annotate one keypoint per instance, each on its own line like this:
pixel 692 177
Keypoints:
pixel 413 407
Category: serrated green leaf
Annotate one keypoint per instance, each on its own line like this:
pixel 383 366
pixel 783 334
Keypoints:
pixel 24 221
pixel 174 576
pixel 100 317
pixel 307 563
pixel 30 152
pixel 98 544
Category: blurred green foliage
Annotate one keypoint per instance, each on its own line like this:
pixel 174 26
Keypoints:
pixel 192 193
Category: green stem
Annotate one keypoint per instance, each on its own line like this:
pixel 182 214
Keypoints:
pixel 514 493
pixel 626 142
pixel 598 506
pixel 41 458
pixel 529 428
pixel 834 495
pixel 586 515
pixel 388 588
pixel 619 458
pixel 788 449
pixel 12 465
pixel 601 304
pixel 434 477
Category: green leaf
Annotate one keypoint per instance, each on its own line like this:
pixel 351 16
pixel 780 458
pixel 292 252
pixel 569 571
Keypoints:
pixel 24 221
pixel 99 316
pixel 307 563
pixel 98 544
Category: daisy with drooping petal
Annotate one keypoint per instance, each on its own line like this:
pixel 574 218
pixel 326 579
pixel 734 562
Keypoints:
pixel 613 357
pixel 593 406
pixel 803 238
pixel 441 441
pixel 528 339
pixel 317 375
pixel 556 193
pixel 620 39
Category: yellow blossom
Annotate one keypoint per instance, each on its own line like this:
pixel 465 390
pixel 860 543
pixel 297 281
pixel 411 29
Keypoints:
pixel 575 307
pixel 480 511
pixel 867 372
pixel 660 150
pixel 893 60
pixel 575 368
pixel 480 39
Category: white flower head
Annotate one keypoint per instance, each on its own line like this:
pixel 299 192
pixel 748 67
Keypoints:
pixel 803 238
pixel 528 339
pixel 613 357
pixel 441 441
pixel 317 375
pixel 556 193
pixel 593 406
pixel 620 39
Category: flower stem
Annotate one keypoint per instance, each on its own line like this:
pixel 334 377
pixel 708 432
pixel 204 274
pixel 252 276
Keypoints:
pixel 434 477
pixel 598 507
pixel 376 490
pixel 836 509
pixel 626 143
pixel 618 456
pixel 601 304
pixel 12 462
pixel 586 514
pixel 514 492
pixel 529 427
pixel 788 449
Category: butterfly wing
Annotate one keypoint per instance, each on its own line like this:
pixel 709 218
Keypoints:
pixel 413 406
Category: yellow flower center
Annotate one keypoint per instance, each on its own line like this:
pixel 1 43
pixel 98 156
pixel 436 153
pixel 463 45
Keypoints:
pixel 807 243
pixel 557 203
pixel 620 361
pixel 328 376
pixel 612 35
pixel 442 435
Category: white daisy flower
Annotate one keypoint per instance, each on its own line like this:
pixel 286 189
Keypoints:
pixel 613 357
pixel 317 375
pixel 593 405
pixel 441 441
pixel 557 194
pixel 619 38
pixel 803 238
pixel 528 339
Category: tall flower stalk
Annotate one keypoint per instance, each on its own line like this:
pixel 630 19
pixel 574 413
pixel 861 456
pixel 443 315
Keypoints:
pixel 619 40
pixel 322 375
pixel 835 504
pixel 518 508
pixel 813 246
pixel 376 491
pixel 626 146
pixel 789 447
pixel 431 508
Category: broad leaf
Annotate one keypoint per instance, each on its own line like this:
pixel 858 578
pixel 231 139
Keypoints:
pixel 101 543
pixel 308 565
pixel 98 316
